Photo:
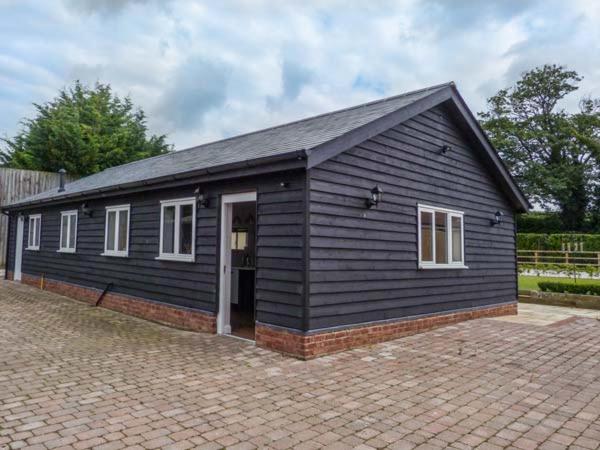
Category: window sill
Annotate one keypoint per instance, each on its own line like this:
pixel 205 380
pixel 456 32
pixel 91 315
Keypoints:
pixel 442 266
pixel 189 259
pixel 118 255
pixel 65 250
pixel 33 249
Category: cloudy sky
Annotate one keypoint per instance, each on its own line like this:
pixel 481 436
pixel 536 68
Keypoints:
pixel 203 70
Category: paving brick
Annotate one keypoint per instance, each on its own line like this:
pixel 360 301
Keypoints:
pixel 79 377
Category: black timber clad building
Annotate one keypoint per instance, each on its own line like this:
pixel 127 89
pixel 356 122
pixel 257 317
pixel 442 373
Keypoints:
pixel 329 251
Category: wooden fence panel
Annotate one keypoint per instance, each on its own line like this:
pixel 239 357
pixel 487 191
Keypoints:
pixel 16 184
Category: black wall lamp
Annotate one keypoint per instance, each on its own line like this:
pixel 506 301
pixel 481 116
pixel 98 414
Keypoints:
pixel 201 198
pixel 375 198
pixel 86 210
pixel 284 184
pixel 498 218
pixel 445 149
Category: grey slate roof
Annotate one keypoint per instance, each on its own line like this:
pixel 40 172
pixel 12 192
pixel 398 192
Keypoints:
pixel 288 138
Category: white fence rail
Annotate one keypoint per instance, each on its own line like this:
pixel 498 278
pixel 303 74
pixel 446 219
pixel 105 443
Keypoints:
pixel 543 258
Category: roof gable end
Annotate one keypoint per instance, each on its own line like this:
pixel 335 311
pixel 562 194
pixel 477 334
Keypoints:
pixel 448 96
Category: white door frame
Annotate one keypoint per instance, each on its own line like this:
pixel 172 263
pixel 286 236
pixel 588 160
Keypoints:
pixel 227 201
pixel 19 248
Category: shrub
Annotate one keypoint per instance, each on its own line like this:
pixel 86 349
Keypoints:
pixel 570 288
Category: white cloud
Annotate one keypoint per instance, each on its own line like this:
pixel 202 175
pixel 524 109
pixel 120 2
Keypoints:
pixel 206 70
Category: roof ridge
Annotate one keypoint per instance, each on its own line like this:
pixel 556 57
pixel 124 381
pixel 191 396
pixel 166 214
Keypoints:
pixel 262 130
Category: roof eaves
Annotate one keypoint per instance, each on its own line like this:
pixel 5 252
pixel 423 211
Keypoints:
pixel 522 203
pixel 156 182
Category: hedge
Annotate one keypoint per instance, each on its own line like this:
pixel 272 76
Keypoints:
pixel 537 241
pixel 570 288
pixel 540 222
pixel 551 222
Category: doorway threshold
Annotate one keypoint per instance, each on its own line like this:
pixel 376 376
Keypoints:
pixel 252 341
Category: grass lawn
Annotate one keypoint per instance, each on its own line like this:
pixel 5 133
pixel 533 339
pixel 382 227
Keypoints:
pixel 531 282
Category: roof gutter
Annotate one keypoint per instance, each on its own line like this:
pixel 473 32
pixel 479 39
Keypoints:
pixel 297 154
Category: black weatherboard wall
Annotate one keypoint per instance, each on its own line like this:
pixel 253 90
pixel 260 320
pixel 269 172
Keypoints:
pixel 280 262
pixel 363 263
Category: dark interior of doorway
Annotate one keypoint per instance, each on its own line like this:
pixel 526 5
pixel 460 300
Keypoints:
pixel 243 269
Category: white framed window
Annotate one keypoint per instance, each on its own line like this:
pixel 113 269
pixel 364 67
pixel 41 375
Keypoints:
pixel 441 238
pixel 35 229
pixel 177 229
pixel 68 231
pixel 116 231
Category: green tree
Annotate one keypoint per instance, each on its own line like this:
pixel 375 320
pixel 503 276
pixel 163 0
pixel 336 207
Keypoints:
pixel 553 154
pixel 84 130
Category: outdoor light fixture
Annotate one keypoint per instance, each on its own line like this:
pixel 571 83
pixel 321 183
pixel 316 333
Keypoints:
pixel 284 184
pixel 201 198
pixel 86 210
pixel 445 149
pixel 202 201
pixel 497 220
pixel 375 198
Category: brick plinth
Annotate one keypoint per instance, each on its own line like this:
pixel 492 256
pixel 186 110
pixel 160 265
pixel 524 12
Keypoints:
pixel 178 317
pixel 10 275
pixel 315 344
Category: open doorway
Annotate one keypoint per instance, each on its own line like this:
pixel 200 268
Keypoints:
pixel 237 303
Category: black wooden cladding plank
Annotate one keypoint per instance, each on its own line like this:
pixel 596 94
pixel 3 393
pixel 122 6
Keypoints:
pixel 407 263
pixel 280 197
pixel 290 287
pixel 268 295
pixel 279 263
pixel 279 308
pixel 324 276
pixel 355 254
pixel 279 275
pixel 364 244
pixel 281 219
pixel 278 252
pixel 280 241
pixel 332 220
pixel 279 319
pixel 279 230
pixel 324 305
pixel 279 208
pixel 403 287
pixel 361 233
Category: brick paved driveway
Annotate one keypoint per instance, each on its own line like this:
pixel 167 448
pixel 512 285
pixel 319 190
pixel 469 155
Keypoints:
pixel 75 376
